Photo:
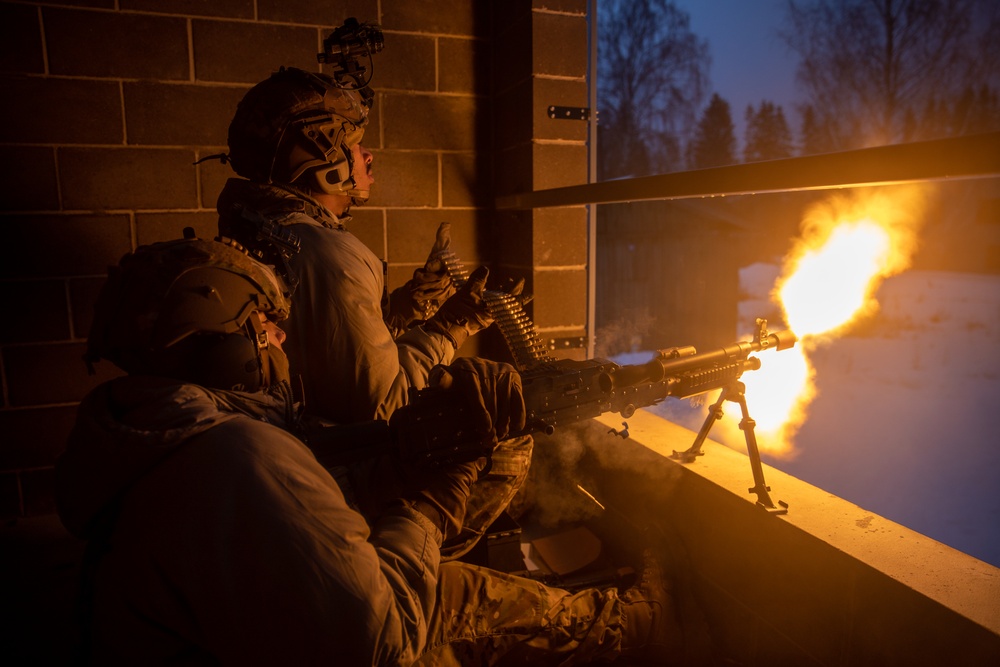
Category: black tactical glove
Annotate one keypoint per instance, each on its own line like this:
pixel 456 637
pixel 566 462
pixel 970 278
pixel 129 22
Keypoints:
pixel 492 392
pixel 464 313
pixel 515 289
pixel 491 389
pixel 444 494
pixel 424 293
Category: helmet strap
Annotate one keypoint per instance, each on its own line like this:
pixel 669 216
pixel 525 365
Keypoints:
pixel 258 336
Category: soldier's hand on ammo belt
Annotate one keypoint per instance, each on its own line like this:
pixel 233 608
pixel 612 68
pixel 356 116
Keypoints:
pixel 465 312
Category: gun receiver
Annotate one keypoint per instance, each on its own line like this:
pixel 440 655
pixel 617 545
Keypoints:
pixel 435 426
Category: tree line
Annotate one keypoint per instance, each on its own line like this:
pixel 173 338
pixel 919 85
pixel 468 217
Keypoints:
pixel 870 72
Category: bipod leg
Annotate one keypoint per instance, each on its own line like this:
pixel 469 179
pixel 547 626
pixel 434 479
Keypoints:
pixel 714 415
pixel 747 426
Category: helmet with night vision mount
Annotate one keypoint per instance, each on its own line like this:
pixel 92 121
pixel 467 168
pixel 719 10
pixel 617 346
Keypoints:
pixel 187 309
pixel 299 127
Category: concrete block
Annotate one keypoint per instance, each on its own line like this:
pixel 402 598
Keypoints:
pixel 559 237
pixel 466 179
pixel 373 130
pixel 559 44
pixel 843 585
pixel 563 93
pixel 178 114
pixel 559 165
pixel 34 437
pixel 34 310
pixel 237 9
pixel 369 226
pixel 74 245
pixel 411 235
pixel 250 52
pixel 111 44
pixel 560 298
pixel 212 176
pixel 464 66
pixel 398 275
pixel 513 114
pixel 895 618
pixel 22 39
pixel 30 183
pixel 433 122
pixel 516 175
pixel 512 49
pixel 62 111
pixel 405 178
pixel 127 178
pixel 327 13
pixel 410 64
pixel 451 18
pixel 578 7
pixel 96 4
pixel 512 236
pixel 30 370
pixel 82 297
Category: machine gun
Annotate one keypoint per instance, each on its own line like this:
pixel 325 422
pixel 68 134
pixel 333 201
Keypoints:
pixel 436 427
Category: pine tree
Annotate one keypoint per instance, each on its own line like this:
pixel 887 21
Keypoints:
pixel 767 133
pixel 874 72
pixel 714 144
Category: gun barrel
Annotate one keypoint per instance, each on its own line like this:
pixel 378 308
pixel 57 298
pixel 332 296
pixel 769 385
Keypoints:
pixel 781 340
pixel 677 361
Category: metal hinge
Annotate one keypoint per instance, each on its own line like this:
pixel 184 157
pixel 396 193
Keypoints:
pixel 569 113
pixel 567 343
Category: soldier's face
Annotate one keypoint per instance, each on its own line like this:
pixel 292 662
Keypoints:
pixel 275 335
pixel 363 175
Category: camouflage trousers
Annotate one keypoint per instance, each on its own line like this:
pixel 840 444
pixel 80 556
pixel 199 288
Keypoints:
pixel 491 494
pixel 483 617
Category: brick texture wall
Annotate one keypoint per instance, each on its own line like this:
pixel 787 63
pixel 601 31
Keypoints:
pixel 110 102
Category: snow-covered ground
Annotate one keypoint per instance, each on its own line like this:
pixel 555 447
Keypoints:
pixel 906 422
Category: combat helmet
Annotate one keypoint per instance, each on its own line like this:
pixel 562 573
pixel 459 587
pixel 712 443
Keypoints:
pixel 300 127
pixel 186 309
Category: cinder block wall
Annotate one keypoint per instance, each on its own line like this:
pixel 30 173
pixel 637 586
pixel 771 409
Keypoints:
pixel 540 61
pixel 108 103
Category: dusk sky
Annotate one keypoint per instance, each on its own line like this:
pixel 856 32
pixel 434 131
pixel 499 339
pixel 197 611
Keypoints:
pixel 750 62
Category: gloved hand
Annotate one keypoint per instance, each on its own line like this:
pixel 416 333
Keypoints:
pixel 516 291
pixel 495 401
pixel 492 390
pixel 443 495
pixel 424 293
pixel 464 313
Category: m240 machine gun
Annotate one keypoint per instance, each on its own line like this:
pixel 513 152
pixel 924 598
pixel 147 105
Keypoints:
pixel 435 426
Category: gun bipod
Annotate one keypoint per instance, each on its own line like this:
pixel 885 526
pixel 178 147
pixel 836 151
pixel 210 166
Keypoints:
pixel 736 392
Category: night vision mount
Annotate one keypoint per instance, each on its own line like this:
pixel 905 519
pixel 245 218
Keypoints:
pixel 345 48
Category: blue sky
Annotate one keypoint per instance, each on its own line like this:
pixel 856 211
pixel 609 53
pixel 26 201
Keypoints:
pixel 750 63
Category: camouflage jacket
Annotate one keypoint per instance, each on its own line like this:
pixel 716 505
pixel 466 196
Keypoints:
pixel 352 368
pixel 215 536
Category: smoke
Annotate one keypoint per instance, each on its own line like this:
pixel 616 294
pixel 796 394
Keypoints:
pixel 588 456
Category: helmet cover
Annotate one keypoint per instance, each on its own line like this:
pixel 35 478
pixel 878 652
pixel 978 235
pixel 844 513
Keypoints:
pixel 298 126
pixel 186 309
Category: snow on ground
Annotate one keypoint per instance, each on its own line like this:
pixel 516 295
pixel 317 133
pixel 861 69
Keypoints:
pixel 907 419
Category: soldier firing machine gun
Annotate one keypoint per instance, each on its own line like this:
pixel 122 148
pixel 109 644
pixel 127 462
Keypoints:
pixel 435 427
